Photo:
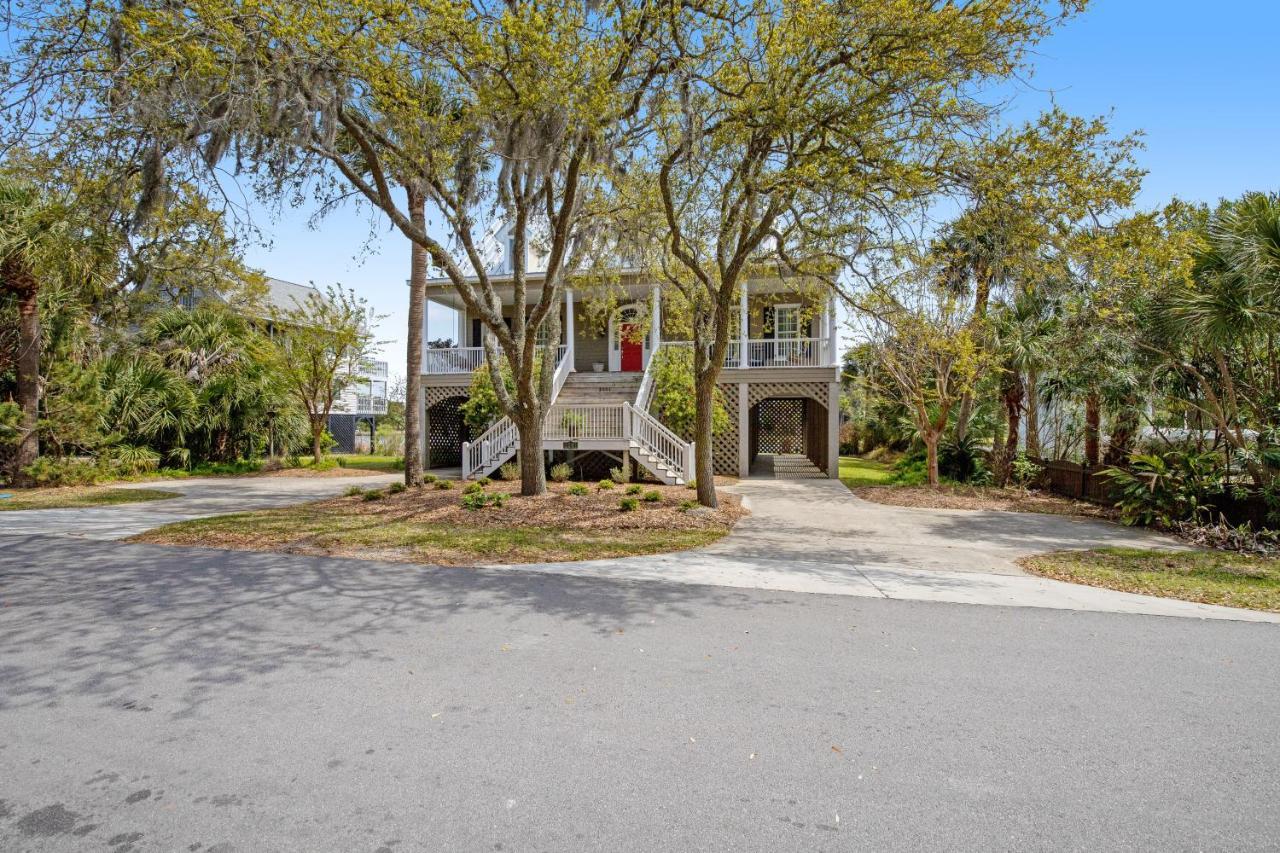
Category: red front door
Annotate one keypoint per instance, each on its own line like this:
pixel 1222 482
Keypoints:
pixel 632 349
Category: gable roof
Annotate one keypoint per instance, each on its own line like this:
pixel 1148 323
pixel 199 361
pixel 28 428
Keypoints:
pixel 284 295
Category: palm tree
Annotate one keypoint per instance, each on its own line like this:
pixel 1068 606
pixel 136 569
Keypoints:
pixel 38 246
pixel 1221 328
pixel 1024 333
pixel 971 262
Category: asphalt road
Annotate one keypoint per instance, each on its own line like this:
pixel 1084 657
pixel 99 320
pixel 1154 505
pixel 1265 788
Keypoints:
pixel 169 699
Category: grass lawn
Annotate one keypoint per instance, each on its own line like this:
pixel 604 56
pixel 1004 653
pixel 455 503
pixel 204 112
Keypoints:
pixel 429 525
pixel 856 471
pixel 1210 577
pixel 76 496
pixel 385 464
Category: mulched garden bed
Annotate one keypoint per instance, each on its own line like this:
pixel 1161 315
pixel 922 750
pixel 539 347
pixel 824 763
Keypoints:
pixel 983 498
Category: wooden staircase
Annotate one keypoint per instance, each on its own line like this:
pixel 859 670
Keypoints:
pixel 588 388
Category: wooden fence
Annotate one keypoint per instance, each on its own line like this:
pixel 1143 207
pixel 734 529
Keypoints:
pixel 1073 480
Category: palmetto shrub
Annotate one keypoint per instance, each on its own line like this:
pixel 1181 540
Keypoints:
pixel 1165 489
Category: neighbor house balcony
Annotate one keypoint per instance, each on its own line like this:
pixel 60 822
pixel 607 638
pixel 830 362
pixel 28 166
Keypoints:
pixel 370 405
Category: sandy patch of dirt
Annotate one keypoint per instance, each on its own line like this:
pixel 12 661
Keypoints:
pixel 983 498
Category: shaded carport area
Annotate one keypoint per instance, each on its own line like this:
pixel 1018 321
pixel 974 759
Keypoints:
pixel 788 439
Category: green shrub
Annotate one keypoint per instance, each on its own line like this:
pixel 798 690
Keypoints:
pixel 673 394
pixel 1164 490
pixel 483 481
pixel 578 489
pixel 652 496
pixel 628 504
pixel 428 479
pixel 472 487
pixel 1024 471
pixel 51 471
pixel 560 472
pixel 911 470
pixel 353 491
pixel 619 474
pixel 326 464
pixel 692 484
pixel 444 485
pixel 605 485
pixel 396 488
pixel 240 466
pixel 479 499
pixel 635 489
pixel 509 471
pixel 373 495
pixel 687 505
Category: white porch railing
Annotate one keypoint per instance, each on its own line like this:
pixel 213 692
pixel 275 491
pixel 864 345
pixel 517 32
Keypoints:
pixel 787 352
pixel 464 359
pixel 664 446
pixel 592 421
pixel 454 360
pixel 774 352
pixel 645 393
pixel 657 448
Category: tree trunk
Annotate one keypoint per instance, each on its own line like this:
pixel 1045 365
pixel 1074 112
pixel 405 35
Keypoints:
pixel 317 434
pixel 28 372
pixel 533 471
pixel 1124 428
pixel 1092 429
pixel 413 362
pixel 964 414
pixel 981 301
pixel 1033 414
pixel 704 449
pixel 931 448
pixel 1014 393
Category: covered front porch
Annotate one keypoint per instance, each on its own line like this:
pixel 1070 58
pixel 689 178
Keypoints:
pixel 775 328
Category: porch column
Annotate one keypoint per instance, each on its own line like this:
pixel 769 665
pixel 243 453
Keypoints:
pixel 462 328
pixel 833 430
pixel 568 326
pixel 744 431
pixel 832 326
pixel 655 325
pixel 744 329
pixel 424 438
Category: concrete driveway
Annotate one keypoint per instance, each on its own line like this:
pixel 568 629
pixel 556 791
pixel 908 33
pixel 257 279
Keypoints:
pixel 200 497
pixel 822 521
pixel 815 536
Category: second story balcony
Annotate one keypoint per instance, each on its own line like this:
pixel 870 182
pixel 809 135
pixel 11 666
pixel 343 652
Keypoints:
pixel 777 327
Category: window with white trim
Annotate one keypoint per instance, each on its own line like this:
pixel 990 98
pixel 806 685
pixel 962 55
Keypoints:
pixel 786 321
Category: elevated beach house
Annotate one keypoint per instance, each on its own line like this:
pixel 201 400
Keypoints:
pixel 780 384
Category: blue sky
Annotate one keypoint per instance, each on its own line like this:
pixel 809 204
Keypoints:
pixel 1200 79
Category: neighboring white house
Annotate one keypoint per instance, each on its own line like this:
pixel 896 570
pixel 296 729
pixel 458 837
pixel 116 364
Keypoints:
pixel 780 383
pixel 353 420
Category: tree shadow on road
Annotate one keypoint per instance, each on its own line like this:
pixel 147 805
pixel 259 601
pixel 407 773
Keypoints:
pixel 101 619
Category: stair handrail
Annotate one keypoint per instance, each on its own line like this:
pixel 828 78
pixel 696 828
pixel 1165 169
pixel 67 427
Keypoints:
pixel 658 440
pixel 645 392
pixel 562 372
